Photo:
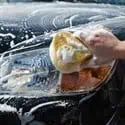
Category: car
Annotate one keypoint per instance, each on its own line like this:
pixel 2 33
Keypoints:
pixel 28 80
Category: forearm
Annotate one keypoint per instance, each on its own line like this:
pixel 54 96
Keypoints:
pixel 120 51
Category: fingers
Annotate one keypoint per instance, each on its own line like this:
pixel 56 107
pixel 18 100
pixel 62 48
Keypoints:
pixel 103 61
pixel 94 42
pixel 90 40
pixel 86 40
pixel 82 37
pixel 102 32
pixel 89 63
pixel 95 62
pixel 93 38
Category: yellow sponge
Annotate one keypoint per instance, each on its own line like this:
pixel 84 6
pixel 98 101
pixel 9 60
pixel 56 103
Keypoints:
pixel 67 53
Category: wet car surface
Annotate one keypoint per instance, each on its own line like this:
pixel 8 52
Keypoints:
pixel 25 31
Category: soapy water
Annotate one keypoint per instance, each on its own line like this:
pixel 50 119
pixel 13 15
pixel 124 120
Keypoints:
pixel 28 72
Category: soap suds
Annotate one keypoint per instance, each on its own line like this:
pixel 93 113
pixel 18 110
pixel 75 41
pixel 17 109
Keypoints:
pixel 12 44
pixel 7 108
pixel 65 53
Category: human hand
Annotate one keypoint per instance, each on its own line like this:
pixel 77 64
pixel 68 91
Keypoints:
pixel 103 45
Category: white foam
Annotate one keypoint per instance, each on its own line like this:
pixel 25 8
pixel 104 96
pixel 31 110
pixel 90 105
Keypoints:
pixel 54 20
pixel 33 36
pixel 65 53
pixel 12 44
pixel 8 34
pixel 63 104
pixel 7 108
pixel 27 36
pixel 71 19
pixel 1 28
pixel 28 116
pixel 79 46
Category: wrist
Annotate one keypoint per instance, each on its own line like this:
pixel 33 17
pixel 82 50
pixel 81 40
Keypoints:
pixel 120 50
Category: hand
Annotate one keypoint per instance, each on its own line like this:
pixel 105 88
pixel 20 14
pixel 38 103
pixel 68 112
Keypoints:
pixel 103 45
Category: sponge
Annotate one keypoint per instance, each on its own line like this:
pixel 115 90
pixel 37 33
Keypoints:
pixel 67 52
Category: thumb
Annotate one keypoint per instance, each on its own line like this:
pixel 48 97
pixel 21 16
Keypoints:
pixel 80 35
pixel 90 63
pixel 95 62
